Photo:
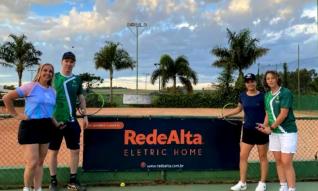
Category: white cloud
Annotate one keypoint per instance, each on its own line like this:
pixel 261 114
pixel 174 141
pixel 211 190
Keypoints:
pixel 240 6
pixel 275 20
pixel 257 21
pixel 301 29
pixel 310 13
pixel 186 25
pixel 5 75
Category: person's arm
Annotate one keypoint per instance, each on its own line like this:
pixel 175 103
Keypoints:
pixel 82 104
pixel 60 125
pixel 266 119
pixel 280 118
pixel 83 110
pixel 234 111
pixel 264 128
pixel 8 102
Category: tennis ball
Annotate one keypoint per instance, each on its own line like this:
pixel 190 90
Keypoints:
pixel 122 184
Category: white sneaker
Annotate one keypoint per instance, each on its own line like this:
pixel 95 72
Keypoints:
pixel 27 189
pixel 283 188
pixel 261 186
pixel 239 186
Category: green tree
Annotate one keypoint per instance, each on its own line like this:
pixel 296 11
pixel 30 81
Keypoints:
pixel 19 54
pixel 242 52
pixel 90 79
pixel 307 78
pixel 224 61
pixel 112 57
pixel 170 69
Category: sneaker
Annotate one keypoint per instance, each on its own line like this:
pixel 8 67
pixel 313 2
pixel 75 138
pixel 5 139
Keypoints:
pixel 53 187
pixel 283 188
pixel 261 186
pixel 75 187
pixel 239 186
pixel 27 189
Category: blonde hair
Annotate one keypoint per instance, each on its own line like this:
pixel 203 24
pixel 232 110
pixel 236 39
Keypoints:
pixel 38 73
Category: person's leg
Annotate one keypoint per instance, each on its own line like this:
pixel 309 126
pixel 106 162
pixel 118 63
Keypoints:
pixel 54 146
pixel 72 139
pixel 53 161
pixel 289 146
pixel 31 152
pixel 245 150
pixel 287 163
pixel 74 160
pixel 279 167
pixel 262 154
pixel 38 176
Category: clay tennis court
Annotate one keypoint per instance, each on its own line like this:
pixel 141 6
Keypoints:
pixel 11 154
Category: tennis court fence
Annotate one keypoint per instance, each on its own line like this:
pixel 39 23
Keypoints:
pixel 12 162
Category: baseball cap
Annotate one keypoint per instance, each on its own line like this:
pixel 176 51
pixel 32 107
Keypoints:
pixel 249 76
pixel 69 55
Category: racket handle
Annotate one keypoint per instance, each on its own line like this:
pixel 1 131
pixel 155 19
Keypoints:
pixel 260 125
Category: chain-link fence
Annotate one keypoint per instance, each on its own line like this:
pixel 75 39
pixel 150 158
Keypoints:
pixel 12 159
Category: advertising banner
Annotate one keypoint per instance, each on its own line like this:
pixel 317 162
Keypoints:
pixel 143 143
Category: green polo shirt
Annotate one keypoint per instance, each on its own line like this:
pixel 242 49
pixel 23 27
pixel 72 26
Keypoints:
pixel 68 88
pixel 283 98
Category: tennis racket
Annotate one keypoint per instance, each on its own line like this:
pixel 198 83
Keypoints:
pixel 228 108
pixel 94 103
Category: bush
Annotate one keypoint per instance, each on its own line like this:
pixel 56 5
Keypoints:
pixel 196 100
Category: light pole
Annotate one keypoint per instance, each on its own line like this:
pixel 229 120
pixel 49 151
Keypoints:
pixel 298 76
pixel 136 25
pixel 156 64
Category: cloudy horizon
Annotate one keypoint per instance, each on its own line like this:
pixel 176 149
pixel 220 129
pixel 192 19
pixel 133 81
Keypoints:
pixel 175 27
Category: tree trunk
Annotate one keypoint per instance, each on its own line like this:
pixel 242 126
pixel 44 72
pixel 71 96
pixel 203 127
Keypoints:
pixel 111 86
pixel 20 77
pixel 174 84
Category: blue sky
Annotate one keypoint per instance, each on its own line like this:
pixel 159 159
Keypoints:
pixel 176 27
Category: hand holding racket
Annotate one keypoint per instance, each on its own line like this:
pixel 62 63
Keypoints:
pixel 263 128
pixel 230 109
pixel 94 101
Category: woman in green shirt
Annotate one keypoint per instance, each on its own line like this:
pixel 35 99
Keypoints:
pixel 280 123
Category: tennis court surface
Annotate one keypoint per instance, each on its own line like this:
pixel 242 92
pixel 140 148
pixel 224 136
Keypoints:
pixel 301 186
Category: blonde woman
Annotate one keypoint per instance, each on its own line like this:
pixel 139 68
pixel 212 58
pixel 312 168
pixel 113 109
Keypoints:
pixel 36 122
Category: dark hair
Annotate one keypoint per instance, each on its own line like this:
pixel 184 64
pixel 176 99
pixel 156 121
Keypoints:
pixel 38 73
pixel 274 73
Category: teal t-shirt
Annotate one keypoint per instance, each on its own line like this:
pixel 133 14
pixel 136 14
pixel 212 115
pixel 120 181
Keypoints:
pixel 283 98
pixel 68 88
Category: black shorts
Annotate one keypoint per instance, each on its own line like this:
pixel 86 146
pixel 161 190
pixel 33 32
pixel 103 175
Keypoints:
pixel 254 137
pixel 71 133
pixel 35 131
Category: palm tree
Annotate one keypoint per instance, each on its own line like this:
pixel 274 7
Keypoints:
pixel 111 57
pixel 19 54
pixel 170 69
pixel 225 79
pixel 243 51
